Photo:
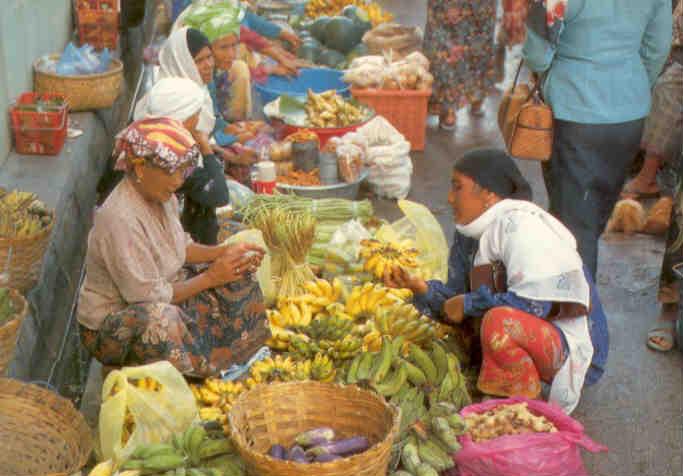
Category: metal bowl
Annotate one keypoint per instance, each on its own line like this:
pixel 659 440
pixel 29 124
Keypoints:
pixel 348 191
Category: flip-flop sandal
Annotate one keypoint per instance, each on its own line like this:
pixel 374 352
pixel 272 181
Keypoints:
pixel 634 195
pixel 666 331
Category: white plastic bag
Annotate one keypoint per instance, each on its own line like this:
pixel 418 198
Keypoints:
pixel 388 159
pixel 156 414
pixel 263 273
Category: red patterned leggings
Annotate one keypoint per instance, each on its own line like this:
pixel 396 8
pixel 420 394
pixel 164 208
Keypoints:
pixel 519 351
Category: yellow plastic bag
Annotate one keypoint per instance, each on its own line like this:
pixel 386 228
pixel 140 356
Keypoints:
pixel 421 226
pixel 263 274
pixel 155 414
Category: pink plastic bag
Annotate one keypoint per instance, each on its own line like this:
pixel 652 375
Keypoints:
pixel 538 454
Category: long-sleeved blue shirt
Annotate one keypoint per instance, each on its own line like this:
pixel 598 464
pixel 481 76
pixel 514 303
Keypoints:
pixel 479 301
pixel 222 138
pixel 606 61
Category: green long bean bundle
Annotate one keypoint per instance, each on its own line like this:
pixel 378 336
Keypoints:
pixel 323 209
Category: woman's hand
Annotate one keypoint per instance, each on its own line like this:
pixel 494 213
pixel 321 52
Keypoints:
pixel 291 38
pixel 398 277
pixel 235 262
pixel 454 308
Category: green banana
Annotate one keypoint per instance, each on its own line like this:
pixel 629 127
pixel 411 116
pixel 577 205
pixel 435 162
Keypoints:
pixel 180 472
pixel 155 449
pixel 392 385
pixel 194 443
pixel 382 363
pixel 210 448
pixel 443 409
pixel 195 472
pixel 432 453
pixel 415 375
pixel 448 438
pixel 457 423
pixel 400 473
pixel 410 457
pixel 424 362
pixel 440 358
pixel 132 464
pixel 446 389
pixel 397 345
pixel 365 366
pixel 426 470
pixel 352 375
pixel 163 462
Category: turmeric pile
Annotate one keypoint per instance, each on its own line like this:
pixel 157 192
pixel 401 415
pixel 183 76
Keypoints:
pixel 504 420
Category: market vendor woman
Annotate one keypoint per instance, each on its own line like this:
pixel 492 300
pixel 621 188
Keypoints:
pixel 542 317
pixel 150 292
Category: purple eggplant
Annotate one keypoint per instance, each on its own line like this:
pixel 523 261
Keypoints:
pixel 347 447
pixel 326 458
pixel 315 437
pixel 297 454
pixel 278 452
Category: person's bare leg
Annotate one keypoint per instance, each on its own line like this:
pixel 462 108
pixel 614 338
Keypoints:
pixel 645 183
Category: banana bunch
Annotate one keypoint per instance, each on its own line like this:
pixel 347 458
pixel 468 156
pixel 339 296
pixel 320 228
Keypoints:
pixel 323 292
pixel 215 398
pixel 22 215
pixel 372 341
pixel 380 256
pixel 303 370
pixel 405 320
pixel 367 300
pixel 329 327
pixel 280 339
pixel 376 14
pixel 342 349
pixel 322 368
pixel 279 369
pixel 191 453
pixel 291 313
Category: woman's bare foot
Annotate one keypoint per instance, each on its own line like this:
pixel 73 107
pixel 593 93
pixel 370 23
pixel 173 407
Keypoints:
pixel 663 334
pixel 644 185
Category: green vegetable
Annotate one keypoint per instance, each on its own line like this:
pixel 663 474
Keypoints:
pixel 332 59
pixel 318 27
pixel 342 34
pixel 359 17
pixel 359 50
pixel 309 50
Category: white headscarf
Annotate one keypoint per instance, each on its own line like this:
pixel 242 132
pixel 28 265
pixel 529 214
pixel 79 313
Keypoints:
pixel 177 98
pixel 175 61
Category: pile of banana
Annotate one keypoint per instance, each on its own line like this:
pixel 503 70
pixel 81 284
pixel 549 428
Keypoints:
pixel 147 384
pixel 298 311
pixel 329 109
pixel 215 398
pixel 381 256
pixel 192 453
pixel 376 14
pixel 405 320
pixel 364 302
pixel 22 215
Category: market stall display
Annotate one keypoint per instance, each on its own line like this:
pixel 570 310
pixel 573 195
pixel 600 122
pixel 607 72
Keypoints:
pixel 39 123
pixel 25 227
pixel 13 310
pixel 41 433
pixel 317 80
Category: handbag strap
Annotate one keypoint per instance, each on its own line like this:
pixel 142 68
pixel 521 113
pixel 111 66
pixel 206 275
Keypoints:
pixel 512 91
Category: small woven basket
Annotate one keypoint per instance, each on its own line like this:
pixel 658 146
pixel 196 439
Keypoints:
pixel 21 259
pixel 84 92
pixel 10 329
pixel 277 413
pixel 41 433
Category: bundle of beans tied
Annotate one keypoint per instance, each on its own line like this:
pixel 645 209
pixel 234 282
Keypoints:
pixel 320 446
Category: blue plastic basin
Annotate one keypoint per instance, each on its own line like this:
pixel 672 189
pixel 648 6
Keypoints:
pixel 317 79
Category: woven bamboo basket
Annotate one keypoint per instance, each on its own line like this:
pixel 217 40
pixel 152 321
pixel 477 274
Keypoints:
pixel 85 92
pixel 10 329
pixel 277 413
pixel 22 259
pixel 41 433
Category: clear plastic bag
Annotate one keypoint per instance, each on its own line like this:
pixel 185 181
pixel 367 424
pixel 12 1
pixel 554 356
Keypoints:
pixel 540 454
pixel 422 227
pixel 264 272
pixel 156 414
pixel 83 60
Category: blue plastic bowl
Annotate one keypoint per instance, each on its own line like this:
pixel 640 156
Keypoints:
pixel 317 79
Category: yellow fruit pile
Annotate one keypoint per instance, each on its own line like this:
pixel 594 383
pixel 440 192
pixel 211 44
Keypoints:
pixel 22 215
pixel 215 398
pixel 376 14
pixel 381 256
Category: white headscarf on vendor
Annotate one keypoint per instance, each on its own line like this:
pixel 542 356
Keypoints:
pixel 540 256
pixel 176 60
pixel 177 98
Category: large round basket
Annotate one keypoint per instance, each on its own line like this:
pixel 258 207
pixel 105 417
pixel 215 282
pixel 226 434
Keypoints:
pixel 83 92
pixel 276 413
pixel 41 433
pixel 22 258
pixel 10 329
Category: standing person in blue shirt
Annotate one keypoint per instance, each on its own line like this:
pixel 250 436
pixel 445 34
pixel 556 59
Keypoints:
pixel 600 61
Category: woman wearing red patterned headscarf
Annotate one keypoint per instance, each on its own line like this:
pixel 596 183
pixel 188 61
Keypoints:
pixel 150 292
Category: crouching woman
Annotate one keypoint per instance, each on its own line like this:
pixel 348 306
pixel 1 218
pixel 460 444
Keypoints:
pixel 518 267
pixel 150 292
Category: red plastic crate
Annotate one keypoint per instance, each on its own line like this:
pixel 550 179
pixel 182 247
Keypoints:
pixel 405 110
pixel 38 133
pixel 97 26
